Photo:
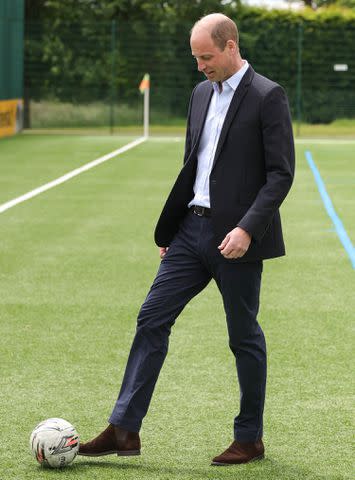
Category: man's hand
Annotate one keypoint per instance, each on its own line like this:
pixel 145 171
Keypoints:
pixel 235 243
pixel 162 251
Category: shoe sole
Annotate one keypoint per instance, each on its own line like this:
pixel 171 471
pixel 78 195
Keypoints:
pixel 220 464
pixel 128 453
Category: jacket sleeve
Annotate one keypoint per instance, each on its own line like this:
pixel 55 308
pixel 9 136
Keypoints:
pixel 279 160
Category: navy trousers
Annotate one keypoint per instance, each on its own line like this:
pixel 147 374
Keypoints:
pixel 190 263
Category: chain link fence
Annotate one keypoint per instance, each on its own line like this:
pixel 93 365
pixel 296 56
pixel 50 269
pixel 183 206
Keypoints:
pixel 87 75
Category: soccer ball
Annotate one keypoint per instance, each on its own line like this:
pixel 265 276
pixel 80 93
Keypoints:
pixel 54 443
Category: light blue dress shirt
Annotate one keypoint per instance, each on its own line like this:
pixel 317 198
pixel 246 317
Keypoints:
pixel 216 115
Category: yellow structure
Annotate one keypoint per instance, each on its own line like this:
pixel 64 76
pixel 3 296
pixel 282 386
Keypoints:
pixel 11 114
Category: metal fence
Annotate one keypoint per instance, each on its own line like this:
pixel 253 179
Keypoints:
pixel 87 75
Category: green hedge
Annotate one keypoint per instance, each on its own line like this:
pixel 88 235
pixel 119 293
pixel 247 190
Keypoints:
pixel 272 39
pixel 105 60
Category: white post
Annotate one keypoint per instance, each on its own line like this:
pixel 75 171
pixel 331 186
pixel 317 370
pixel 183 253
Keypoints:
pixel 146 113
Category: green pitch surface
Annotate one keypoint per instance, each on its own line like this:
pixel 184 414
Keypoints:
pixel 75 265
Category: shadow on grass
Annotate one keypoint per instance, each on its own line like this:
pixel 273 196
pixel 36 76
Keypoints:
pixel 265 470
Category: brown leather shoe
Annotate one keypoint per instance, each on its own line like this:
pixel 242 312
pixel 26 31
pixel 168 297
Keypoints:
pixel 113 440
pixel 240 452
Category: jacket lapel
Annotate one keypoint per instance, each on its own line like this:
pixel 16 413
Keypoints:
pixel 233 108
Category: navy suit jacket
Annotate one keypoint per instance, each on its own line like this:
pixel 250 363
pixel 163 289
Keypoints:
pixel 253 166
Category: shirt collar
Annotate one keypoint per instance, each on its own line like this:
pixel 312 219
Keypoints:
pixel 233 81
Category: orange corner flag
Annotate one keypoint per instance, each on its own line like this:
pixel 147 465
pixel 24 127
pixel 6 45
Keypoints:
pixel 145 83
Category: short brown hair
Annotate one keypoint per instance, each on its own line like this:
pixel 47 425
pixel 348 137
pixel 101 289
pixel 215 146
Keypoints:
pixel 223 30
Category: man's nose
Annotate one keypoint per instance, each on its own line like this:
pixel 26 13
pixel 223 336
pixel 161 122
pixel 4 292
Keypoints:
pixel 200 66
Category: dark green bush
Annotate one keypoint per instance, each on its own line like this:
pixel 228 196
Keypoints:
pixel 75 61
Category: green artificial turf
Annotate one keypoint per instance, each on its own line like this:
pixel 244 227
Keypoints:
pixel 27 162
pixel 75 265
pixel 340 128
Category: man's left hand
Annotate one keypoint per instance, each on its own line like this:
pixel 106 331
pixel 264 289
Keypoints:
pixel 235 243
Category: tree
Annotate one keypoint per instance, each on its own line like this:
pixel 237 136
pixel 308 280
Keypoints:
pixel 315 4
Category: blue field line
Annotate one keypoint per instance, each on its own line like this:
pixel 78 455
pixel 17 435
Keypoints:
pixel 338 224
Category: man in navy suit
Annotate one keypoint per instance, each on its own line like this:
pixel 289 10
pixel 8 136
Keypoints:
pixel 220 221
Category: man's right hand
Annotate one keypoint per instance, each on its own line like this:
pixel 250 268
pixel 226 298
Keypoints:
pixel 162 251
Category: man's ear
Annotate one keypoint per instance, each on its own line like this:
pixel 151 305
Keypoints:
pixel 232 46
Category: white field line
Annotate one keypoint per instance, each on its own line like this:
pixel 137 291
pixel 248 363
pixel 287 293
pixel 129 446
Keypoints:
pixel 166 138
pixel 326 141
pixel 98 161
pixel 310 140
pixel 69 175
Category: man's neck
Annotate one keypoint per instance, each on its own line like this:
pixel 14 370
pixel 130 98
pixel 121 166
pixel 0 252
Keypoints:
pixel 240 65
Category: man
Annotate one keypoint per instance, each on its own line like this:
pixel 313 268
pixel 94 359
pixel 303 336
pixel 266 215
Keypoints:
pixel 220 221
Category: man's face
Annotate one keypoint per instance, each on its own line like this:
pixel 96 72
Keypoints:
pixel 216 64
